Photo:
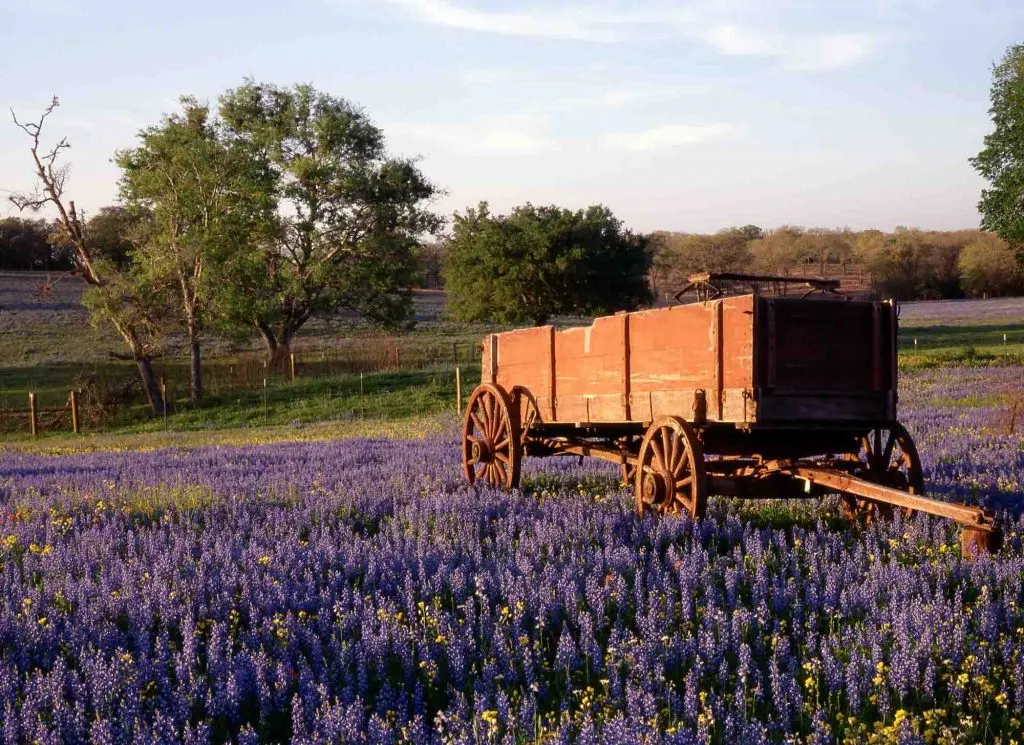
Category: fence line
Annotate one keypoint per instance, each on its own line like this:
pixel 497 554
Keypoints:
pixel 33 412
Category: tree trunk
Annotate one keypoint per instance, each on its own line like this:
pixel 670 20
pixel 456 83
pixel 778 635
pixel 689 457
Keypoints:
pixel 152 386
pixel 269 339
pixel 279 360
pixel 196 370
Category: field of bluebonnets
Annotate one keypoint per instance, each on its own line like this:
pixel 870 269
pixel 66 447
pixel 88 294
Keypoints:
pixel 359 591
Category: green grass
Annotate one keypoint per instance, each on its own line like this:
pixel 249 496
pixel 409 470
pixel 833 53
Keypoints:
pixel 978 345
pixel 385 396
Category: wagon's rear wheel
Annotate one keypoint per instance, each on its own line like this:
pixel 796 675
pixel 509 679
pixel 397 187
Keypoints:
pixel 491 447
pixel 670 474
pixel 889 457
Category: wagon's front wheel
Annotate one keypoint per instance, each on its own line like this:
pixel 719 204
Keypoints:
pixel 670 475
pixel 491 447
pixel 887 456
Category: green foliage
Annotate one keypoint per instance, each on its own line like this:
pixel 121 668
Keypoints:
pixel 989 267
pixel 1001 161
pixel 539 262
pixel 111 232
pixel 347 217
pixel 131 302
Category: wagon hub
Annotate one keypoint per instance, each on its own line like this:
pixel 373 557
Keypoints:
pixel 480 451
pixel 658 487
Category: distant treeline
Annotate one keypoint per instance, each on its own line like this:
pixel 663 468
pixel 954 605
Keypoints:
pixel 906 264
pixel 31 244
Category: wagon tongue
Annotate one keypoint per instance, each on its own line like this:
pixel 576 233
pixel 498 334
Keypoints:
pixel 981 532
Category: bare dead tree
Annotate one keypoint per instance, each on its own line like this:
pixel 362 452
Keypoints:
pixel 52 175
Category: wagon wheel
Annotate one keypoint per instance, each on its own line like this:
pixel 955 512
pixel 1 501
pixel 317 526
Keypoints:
pixel 889 457
pixel 670 470
pixel 491 448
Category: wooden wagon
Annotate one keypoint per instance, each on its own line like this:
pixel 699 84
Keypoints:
pixel 745 395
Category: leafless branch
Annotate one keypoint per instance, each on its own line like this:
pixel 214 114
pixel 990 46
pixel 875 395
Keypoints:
pixel 52 178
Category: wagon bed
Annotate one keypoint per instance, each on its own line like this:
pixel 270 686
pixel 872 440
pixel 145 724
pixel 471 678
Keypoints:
pixel 741 360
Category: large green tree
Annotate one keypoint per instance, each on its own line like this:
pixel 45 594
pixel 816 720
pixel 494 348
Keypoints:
pixel 204 200
pixel 1001 161
pixel 348 218
pixel 538 262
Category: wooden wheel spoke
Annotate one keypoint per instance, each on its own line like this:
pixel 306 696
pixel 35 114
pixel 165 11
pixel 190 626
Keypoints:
pixel 500 456
pixel 476 421
pixel 489 408
pixel 659 456
pixel 500 472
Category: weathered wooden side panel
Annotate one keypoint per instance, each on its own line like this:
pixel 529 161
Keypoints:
pixel 590 364
pixel 672 354
pixel 524 358
pixel 634 366
pixel 676 351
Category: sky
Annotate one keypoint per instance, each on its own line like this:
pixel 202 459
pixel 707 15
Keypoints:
pixel 686 116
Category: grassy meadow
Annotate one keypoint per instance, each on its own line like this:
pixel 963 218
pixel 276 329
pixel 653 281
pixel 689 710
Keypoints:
pixel 48 346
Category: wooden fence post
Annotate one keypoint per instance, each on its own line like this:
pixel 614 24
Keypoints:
pixel 73 404
pixel 361 412
pixel 291 364
pixel 32 414
pixel 458 389
pixel 163 395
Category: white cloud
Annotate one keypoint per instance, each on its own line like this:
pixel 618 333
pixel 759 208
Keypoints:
pixel 709 25
pixel 668 135
pixel 739 41
pixel 534 23
pixel 807 52
pixel 521 135
pixel 626 96
pixel 830 52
